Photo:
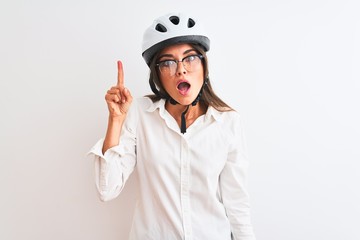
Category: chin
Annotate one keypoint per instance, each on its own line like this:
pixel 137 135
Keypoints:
pixel 185 100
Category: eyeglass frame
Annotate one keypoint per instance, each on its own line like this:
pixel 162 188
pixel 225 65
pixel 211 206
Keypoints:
pixel 200 56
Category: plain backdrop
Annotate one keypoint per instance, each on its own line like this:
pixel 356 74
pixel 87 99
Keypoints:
pixel 291 68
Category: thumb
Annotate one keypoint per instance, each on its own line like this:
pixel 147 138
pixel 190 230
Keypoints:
pixel 127 94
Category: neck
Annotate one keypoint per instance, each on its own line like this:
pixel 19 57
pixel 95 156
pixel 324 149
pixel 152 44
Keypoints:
pixel 192 114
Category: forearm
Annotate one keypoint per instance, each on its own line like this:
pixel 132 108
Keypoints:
pixel 113 132
pixel 114 159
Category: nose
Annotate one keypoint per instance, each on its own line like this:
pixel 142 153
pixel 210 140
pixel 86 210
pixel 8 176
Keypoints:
pixel 180 69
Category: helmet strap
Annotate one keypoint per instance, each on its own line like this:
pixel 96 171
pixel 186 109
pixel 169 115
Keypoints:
pixel 197 99
pixel 183 120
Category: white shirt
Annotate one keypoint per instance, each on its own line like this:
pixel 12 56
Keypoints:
pixel 192 186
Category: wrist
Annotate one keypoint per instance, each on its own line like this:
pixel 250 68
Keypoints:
pixel 116 119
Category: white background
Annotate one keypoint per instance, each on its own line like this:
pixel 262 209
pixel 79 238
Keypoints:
pixel 290 67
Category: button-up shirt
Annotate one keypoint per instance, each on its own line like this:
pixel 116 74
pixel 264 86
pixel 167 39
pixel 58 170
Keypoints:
pixel 191 186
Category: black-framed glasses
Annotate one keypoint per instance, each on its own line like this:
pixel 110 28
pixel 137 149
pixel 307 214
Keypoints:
pixel 191 63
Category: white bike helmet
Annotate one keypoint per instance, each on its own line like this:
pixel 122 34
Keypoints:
pixel 171 29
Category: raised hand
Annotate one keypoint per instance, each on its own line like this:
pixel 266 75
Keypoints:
pixel 118 98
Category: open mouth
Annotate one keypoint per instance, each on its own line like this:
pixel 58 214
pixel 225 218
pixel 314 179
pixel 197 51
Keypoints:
pixel 183 87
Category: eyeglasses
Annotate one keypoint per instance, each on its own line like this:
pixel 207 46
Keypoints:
pixel 191 63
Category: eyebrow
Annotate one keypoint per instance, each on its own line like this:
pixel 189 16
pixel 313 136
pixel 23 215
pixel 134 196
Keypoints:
pixel 170 55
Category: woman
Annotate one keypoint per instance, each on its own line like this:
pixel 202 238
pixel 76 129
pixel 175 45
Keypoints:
pixel 187 145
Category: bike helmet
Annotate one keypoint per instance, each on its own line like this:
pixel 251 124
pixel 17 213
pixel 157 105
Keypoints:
pixel 171 29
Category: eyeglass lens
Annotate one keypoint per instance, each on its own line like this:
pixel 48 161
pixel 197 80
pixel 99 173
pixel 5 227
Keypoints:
pixel 190 63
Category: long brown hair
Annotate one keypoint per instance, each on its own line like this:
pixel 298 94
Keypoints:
pixel 208 97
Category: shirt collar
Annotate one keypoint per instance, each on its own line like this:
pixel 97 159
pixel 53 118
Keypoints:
pixel 211 112
pixel 154 105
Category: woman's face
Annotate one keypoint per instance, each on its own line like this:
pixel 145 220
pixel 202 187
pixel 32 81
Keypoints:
pixel 181 80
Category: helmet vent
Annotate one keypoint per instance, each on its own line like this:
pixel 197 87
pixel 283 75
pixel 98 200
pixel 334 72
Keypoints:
pixel 191 23
pixel 161 28
pixel 174 19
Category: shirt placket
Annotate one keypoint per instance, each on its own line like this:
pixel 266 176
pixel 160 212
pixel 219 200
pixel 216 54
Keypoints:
pixel 185 190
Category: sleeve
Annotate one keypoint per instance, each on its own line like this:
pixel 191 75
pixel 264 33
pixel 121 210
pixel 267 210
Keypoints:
pixel 233 185
pixel 113 168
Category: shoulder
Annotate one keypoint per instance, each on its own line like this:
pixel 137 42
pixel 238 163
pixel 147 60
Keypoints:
pixel 233 128
pixel 231 122
pixel 144 105
pixel 228 118
pixel 141 103
pixel 136 112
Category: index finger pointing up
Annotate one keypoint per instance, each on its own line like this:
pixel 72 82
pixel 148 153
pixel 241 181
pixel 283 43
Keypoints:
pixel 120 81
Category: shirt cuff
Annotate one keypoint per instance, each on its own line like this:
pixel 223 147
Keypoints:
pixel 97 150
